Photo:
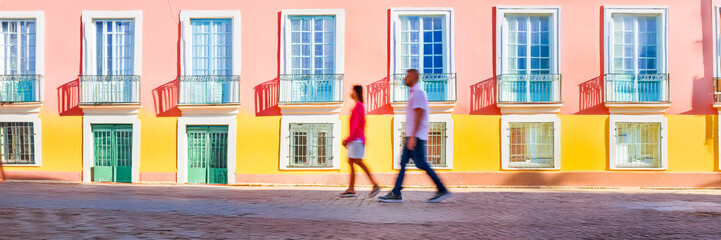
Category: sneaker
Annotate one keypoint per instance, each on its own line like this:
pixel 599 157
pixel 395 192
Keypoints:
pixel 440 196
pixel 391 198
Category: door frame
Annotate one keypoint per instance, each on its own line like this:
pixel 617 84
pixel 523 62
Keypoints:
pixel 89 150
pixel 183 122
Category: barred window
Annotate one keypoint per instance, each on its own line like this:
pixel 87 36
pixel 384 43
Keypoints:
pixel 531 145
pixel 638 145
pixel 435 146
pixel 311 145
pixel 17 143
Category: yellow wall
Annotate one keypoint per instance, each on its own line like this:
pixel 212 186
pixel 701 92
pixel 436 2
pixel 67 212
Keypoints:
pixel 692 143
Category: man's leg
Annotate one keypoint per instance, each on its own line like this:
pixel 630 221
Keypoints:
pixel 419 158
pixel 405 156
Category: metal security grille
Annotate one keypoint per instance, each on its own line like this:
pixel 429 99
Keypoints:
pixel 531 145
pixel 17 143
pixel 207 154
pixel 638 145
pixel 311 145
pixel 112 150
pixel 435 146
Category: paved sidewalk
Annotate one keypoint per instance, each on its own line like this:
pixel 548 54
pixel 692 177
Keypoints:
pixel 81 211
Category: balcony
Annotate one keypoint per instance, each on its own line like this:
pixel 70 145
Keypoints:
pixel 209 89
pixel 20 88
pixel 529 93
pixel 310 88
pixel 637 93
pixel 109 89
pixel 440 87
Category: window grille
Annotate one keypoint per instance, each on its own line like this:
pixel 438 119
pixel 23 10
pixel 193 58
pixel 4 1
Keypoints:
pixel 17 143
pixel 638 145
pixel 435 145
pixel 531 145
pixel 311 145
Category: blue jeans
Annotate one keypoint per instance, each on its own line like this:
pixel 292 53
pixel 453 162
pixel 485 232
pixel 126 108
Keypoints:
pixel 419 158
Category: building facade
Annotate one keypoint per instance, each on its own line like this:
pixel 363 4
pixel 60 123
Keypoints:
pixel 592 93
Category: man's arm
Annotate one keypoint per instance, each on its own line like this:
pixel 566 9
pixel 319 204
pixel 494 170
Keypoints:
pixel 412 139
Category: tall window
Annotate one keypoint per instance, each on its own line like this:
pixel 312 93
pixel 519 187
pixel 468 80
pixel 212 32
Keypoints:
pixel 311 145
pixel 638 145
pixel 422 43
pixel 312 44
pixel 531 145
pixel 635 44
pixel 17 143
pixel 115 46
pixel 527 48
pixel 212 46
pixel 17 46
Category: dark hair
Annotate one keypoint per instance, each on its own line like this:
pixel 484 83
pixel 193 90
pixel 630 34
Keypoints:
pixel 358 89
pixel 412 70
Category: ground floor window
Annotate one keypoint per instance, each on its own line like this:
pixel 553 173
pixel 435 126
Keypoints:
pixel 113 152
pixel 531 145
pixel 207 154
pixel 17 142
pixel 435 145
pixel 311 145
pixel 638 145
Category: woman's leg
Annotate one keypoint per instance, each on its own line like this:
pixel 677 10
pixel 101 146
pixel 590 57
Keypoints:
pixel 365 169
pixel 351 185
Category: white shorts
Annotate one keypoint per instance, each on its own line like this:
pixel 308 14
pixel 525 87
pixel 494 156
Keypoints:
pixel 356 149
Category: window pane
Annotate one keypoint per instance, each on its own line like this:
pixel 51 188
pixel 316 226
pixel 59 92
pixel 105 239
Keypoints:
pixel 311 145
pixel 17 143
pixel 212 46
pixel 531 145
pixel 638 145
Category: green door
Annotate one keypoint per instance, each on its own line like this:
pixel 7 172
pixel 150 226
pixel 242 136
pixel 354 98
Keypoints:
pixel 113 149
pixel 207 154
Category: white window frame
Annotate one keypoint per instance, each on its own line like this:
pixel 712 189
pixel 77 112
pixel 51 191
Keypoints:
pixel 339 36
pixel 185 121
pixel 31 118
pixel 661 11
pixel 285 122
pixel 505 138
pixel 39 17
pixel 433 117
pixel 554 33
pixel 186 52
pixel 614 118
pixel 89 38
pixel 449 35
pixel 89 150
pixel 716 41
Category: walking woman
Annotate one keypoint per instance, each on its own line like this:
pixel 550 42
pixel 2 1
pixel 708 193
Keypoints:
pixel 355 143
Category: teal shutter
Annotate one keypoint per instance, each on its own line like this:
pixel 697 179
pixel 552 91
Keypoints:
pixel 207 154
pixel 113 148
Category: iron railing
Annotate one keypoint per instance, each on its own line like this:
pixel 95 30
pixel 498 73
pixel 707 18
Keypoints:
pixel 208 89
pixel 636 88
pixel 109 89
pixel 20 88
pixel 310 88
pixel 529 88
pixel 717 90
pixel 440 87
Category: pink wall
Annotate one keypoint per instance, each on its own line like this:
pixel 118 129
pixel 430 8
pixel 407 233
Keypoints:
pixel 367 54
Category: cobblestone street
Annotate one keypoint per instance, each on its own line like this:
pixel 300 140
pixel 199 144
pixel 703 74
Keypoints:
pixel 82 211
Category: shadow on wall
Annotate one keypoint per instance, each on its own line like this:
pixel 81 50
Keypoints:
pixel 483 98
pixel 378 97
pixel 69 99
pixel 534 179
pixel 266 98
pixel 165 98
pixel 591 96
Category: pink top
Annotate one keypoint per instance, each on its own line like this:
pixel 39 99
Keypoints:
pixel 357 124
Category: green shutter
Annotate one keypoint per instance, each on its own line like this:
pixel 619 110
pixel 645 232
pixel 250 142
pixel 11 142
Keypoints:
pixel 207 154
pixel 113 148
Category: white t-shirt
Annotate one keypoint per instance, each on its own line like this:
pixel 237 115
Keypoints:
pixel 417 99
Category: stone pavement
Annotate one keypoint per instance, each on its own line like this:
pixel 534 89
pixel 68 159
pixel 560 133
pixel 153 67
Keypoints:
pixel 123 211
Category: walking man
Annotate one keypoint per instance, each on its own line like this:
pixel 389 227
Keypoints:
pixel 415 141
